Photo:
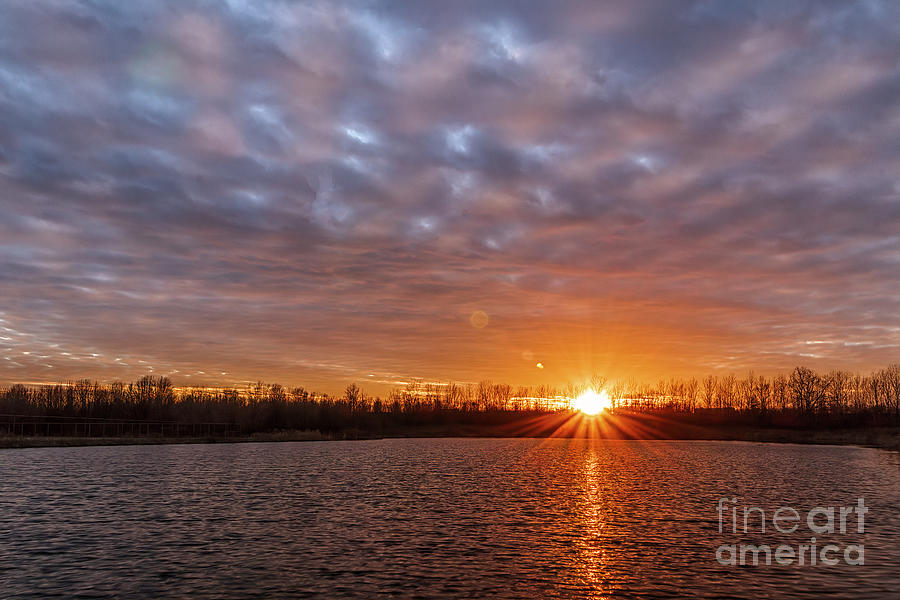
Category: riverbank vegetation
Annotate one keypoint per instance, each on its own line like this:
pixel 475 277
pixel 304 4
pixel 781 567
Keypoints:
pixel 712 407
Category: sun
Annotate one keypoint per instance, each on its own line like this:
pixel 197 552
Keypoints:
pixel 590 402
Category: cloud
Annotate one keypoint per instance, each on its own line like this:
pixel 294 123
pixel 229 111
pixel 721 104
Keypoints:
pixel 645 188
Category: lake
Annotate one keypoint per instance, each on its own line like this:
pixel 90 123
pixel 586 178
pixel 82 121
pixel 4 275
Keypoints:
pixel 439 518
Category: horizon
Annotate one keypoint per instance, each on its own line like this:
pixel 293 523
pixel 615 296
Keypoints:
pixel 321 194
pixel 839 381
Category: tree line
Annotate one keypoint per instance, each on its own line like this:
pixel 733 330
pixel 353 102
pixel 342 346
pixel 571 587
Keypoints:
pixel 802 398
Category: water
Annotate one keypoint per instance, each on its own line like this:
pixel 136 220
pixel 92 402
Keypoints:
pixel 438 518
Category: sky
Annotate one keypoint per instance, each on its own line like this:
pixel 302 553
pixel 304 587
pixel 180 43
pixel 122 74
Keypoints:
pixel 319 193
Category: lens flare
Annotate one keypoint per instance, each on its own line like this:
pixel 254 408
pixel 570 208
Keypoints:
pixel 479 319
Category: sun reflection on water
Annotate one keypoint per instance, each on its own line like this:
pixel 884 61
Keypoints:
pixel 592 510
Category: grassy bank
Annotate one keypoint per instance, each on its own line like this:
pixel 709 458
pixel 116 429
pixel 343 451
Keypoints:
pixel 887 438
pixel 29 441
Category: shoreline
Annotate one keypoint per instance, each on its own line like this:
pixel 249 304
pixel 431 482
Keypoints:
pixel 883 438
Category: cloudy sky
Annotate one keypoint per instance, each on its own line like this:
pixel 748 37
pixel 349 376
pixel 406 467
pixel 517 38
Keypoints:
pixel 318 193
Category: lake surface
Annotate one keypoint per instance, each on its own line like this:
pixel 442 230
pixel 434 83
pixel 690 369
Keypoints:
pixel 433 518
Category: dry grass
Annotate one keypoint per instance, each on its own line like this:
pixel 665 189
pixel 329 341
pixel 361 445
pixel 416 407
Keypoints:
pixel 17 441
pixel 887 438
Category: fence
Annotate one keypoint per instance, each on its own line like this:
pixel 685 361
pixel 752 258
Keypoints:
pixel 39 425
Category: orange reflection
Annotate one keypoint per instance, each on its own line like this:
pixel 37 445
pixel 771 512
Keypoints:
pixel 593 517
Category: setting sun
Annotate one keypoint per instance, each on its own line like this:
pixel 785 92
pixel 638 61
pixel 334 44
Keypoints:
pixel 590 402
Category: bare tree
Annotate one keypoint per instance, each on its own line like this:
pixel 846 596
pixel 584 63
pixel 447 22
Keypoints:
pixel 691 391
pixel 891 385
pixel 806 389
pixel 709 391
pixel 353 394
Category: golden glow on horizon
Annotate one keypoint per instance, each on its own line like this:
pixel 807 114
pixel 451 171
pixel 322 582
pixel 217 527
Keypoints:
pixel 591 402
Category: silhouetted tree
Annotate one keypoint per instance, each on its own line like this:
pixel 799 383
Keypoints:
pixel 806 389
